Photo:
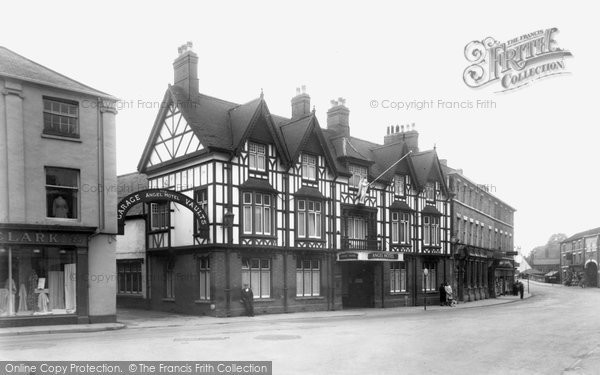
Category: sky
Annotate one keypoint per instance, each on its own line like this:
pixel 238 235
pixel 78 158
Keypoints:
pixel 536 147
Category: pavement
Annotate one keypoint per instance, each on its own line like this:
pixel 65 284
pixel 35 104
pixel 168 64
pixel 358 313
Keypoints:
pixel 143 319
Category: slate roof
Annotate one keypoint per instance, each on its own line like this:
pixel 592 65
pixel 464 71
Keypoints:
pixel 586 233
pixel 13 65
pixel 128 184
pixel 223 125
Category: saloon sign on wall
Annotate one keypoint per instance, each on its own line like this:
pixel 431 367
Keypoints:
pixel 160 195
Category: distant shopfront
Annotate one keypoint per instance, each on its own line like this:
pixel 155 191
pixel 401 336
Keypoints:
pixel 43 274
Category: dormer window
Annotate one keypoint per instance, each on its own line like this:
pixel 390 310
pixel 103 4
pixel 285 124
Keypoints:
pixel 399 185
pixel 309 167
pixel 257 157
pixel 358 173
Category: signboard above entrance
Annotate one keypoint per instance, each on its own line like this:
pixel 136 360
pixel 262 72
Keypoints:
pixel 160 195
pixel 369 256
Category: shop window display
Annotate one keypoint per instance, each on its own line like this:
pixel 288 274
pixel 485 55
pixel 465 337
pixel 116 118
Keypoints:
pixel 37 281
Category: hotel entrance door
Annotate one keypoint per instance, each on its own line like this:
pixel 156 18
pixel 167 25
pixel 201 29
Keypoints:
pixel 358 277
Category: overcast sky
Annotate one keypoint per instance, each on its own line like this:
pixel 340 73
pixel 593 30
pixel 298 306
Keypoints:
pixel 537 148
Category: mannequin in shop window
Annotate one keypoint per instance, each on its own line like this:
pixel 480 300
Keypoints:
pixel 60 207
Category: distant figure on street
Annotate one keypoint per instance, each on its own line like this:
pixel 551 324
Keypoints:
pixel 248 300
pixel 515 289
pixel 449 296
pixel 521 289
pixel 442 294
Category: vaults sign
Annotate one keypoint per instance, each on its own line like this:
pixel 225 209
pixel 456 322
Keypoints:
pixel 160 195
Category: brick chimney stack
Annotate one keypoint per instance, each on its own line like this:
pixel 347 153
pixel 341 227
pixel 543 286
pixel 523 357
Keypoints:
pixel 185 68
pixel 403 133
pixel 300 103
pixel 338 117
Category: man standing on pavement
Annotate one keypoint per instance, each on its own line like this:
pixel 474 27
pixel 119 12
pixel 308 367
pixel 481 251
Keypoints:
pixel 521 289
pixel 248 300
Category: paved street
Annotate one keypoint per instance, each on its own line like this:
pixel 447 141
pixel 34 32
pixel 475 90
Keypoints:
pixel 555 331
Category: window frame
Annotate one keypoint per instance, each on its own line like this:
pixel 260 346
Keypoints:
pixel 398 277
pixel 256 154
pixel 301 273
pixel 400 178
pixel 400 226
pixel 357 175
pixel 51 113
pixel 261 271
pixel 432 231
pixel 76 190
pixel 128 277
pixel 303 215
pixel 305 164
pixel 204 283
pixel 258 209
pixel 429 281
pixel 163 216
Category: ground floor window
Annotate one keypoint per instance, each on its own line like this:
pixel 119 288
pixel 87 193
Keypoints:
pixel 308 277
pixel 204 278
pixel 37 281
pixel 429 280
pixel 129 274
pixel 397 277
pixel 256 273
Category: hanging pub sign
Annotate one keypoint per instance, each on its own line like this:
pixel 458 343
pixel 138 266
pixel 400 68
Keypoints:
pixel 160 195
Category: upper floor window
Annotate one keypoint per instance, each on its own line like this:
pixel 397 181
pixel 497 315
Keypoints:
pixel 258 213
pixel 159 216
pixel 431 231
pixel 400 227
pixel 357 228
pixel 430 191
pixel 399 185
pixel 62 192
pixel 309 167
pixel 61 117
pixel 358 173
pixel 309 219
pixel 257 157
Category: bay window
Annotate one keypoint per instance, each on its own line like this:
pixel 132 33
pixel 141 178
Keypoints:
pixel 309 218
pixel 258 213
pixel 431 231
pixel 400 227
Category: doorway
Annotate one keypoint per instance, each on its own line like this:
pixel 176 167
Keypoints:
pixel 358 279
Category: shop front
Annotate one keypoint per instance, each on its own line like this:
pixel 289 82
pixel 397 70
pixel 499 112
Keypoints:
pixel 43 275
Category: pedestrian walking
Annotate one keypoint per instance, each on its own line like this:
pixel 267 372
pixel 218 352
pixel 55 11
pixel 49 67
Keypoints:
pixel 248 300
pixel 521 289
pixel 449 296
pixel 442 294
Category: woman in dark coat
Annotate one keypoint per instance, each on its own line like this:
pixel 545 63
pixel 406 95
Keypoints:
pixel 442 294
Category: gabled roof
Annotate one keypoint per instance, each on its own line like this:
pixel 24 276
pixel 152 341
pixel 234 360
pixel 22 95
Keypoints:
pixel 297 133
pixel 13 65
pixel 425 167
pixel 586 233
pixel 130 183
pixel 385 156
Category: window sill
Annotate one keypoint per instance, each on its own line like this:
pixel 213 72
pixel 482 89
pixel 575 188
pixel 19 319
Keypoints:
pixel 62 138
pixel 203 302
pixel 168 299
pixel 264 300
pixel 63 219
pixel 131 295
pixel 307 298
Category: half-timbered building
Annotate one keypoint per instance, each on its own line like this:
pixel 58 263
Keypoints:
pixel 310 217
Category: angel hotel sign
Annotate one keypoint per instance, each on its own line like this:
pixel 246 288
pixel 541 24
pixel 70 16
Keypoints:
pixel 160 195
